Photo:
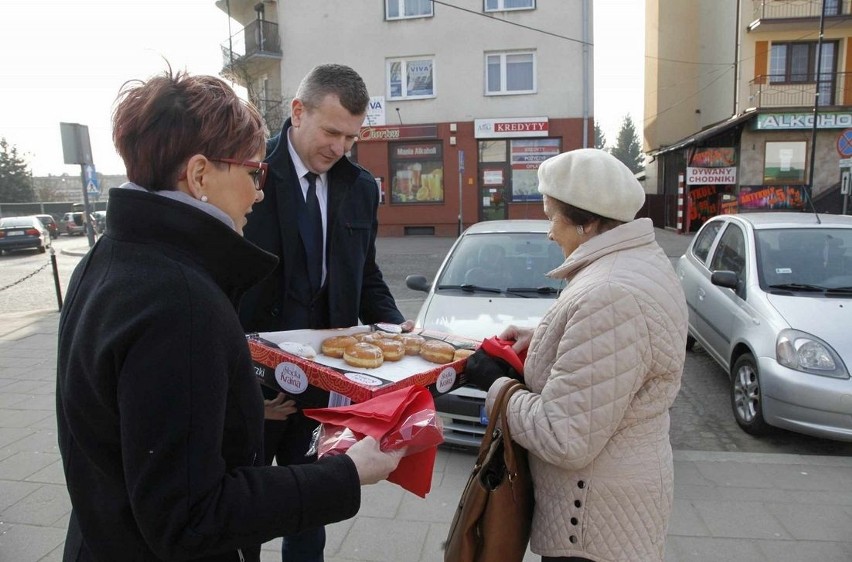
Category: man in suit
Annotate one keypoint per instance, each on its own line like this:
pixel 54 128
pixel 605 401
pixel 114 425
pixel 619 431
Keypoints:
pixel 319 216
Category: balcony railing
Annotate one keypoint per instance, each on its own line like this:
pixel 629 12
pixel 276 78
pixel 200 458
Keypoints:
pixel 259 38
pixel 774 90
pixel 798 9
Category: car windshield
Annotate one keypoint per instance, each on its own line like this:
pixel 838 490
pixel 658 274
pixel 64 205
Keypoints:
pixel 16 221
pixel 804 259
pixel 510 263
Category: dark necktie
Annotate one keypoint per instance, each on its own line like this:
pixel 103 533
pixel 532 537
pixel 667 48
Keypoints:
pixel 313 233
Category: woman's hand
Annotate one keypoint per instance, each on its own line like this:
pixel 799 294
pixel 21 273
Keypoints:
pixel 372 464
pixel 278 408
pixel 407 326
pixel 521 337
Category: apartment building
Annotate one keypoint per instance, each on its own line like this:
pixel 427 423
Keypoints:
pixel 733 119
pixel 467 96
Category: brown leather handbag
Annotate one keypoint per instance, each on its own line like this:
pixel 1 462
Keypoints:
pixel 493 519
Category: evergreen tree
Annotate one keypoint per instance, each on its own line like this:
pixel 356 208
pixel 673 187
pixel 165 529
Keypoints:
pixel 627 148
pixel 600 139
pixel 16 185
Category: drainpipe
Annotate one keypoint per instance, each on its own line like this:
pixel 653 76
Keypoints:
pixel 587 68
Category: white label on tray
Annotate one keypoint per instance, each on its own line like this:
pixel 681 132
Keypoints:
pixel 446 380
pixel 361 378
pixel 291 378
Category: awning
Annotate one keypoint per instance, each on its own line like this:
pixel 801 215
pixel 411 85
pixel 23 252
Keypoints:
pixel 707 133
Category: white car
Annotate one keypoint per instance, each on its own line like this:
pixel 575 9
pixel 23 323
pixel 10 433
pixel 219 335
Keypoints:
pixel 770 299
pixel 493 276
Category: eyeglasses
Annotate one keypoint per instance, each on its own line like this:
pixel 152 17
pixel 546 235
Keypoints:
pixel 258 175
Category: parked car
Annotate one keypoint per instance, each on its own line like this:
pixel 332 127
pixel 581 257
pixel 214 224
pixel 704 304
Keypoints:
pixel 769 298
pixel 72 223
pixel 99 221
pixel 493 276
pixel 50 224
pixel 23 233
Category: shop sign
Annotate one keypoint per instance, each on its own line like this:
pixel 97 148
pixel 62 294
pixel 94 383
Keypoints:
pixel 763 197
pixel 711 176
pixel 782 121
pixel 503 127
pixel 375 112
pixel 399 132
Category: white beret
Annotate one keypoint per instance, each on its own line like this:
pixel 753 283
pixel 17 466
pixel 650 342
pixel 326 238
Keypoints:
pixel 593 180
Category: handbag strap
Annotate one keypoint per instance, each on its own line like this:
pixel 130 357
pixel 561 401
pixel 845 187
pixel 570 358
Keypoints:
pixel 508 449
pixel 499 412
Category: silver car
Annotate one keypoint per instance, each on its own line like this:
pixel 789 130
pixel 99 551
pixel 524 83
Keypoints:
pixel 770 299
pixel 493 276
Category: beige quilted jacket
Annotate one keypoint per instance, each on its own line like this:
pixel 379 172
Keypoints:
pixel 603 369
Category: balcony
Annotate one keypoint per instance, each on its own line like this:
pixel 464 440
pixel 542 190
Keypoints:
pixel 250 49
pixel 773 91
pixel 775 15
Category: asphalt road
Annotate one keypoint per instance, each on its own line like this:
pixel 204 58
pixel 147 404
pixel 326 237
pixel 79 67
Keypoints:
pixel 701 416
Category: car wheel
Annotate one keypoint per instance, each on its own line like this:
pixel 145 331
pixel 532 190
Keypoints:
pixel 42 249
pixel 690 342
pixel 745 396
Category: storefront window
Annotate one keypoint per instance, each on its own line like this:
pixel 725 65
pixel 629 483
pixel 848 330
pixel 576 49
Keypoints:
pixel 784 162
pixel 526 156
pixel 417 170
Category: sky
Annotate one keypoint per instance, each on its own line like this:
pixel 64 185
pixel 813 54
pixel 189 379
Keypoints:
pixel 65 61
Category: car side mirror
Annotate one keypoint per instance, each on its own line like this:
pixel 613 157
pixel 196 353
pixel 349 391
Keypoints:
pixel 418 283
pixel 727 279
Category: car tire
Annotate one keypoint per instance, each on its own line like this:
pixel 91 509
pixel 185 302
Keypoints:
pixel 690 342
pixel 746 397
pixel 42 249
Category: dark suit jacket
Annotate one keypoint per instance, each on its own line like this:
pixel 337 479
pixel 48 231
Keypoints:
pixel 356 289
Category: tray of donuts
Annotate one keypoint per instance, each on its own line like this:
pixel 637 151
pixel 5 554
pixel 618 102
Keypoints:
pixel 355 364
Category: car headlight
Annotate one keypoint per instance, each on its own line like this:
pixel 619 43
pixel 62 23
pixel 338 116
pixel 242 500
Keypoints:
pixel 804 352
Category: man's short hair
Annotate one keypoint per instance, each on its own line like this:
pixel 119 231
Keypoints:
pixel 336 79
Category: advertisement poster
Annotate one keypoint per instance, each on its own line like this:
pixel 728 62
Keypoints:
pixel 784 162
pixel 712 157
pixel 418 173
pixel 526 156
pixel 763 197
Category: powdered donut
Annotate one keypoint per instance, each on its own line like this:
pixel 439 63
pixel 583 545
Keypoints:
pixel 335 345
pixel 412 343
pixel 462 354
pixel 437 351
pixel 392 350
pixel 363 355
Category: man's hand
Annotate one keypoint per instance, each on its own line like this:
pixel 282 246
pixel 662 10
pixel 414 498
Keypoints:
pixel 278 408
pixel 407 326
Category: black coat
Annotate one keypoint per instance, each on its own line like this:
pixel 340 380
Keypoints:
pixel 356 289
pixel 160 416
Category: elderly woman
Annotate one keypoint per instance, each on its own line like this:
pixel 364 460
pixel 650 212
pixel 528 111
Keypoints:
pixel 603 368
pixel 160 416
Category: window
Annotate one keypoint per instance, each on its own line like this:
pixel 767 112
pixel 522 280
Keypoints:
pixel 411 78
pixel 791 63
pixel 509 73
pixel 784 162
pixel 701 246
pixel 503 5
pixel 417 171
pixel 526 156
pixel 730 253
pixel 401 9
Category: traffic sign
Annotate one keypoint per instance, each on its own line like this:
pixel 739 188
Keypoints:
pixel 844 143
pixel 92 189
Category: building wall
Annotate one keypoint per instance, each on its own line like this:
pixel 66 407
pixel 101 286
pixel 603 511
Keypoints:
pixel 456 37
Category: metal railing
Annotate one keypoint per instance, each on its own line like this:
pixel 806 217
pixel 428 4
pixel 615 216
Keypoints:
pixel 257 38
pixel 792 9
pixel 775 90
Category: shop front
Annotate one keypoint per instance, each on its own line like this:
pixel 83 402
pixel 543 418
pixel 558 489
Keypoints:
pixel 437 179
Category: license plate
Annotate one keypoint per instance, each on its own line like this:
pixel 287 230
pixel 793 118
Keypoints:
pixel 15 233
pixel 483 417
